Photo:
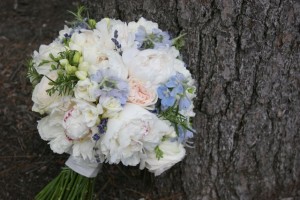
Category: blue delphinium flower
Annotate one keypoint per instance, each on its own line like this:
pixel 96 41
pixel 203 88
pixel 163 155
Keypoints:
pixel 184 134
pixel 162 39
pixel 167 99
pixel 156 40
pixel 110 86
pixel 175 91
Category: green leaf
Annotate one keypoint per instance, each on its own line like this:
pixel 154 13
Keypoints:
pixel 159 153
pixel 178 42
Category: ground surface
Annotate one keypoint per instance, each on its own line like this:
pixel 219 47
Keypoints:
pixel 26 162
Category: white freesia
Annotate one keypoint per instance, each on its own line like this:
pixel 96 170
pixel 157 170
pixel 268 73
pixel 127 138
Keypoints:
pixel 155 66
pixel 110 106
pixel 84 90
pixel 105 59
pixel 44 55
pixel 173 152
pixel 131 133
pixel 148 25
pixel 79 120
pixel 42 100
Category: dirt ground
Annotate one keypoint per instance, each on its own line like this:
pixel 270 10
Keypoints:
pixel 26 162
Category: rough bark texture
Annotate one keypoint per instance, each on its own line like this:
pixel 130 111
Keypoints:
pixel 245 56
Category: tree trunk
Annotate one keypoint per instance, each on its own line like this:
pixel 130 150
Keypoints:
pixel 245 56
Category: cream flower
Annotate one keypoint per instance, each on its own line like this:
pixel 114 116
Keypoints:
pixel 131 133
pixel 42 101
pixel 155 66
pixel 173 152
pixel 141 93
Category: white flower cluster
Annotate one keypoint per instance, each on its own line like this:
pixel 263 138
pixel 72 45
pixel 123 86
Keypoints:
pixel 114 92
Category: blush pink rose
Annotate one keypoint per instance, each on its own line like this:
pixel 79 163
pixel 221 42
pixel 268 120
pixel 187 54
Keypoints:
pixel 141 94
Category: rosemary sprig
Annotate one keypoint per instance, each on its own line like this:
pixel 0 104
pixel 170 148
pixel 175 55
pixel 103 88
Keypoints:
pixel 32 73
pixel 81 20
pixel 172 114
pixel 64 84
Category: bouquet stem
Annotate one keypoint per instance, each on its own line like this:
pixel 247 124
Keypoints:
pixel 68 185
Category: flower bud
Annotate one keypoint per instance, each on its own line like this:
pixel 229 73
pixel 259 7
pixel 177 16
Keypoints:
pixel 76 58
pixel 63 62
pixel 70 69
pixel 92 23
pixel 81 75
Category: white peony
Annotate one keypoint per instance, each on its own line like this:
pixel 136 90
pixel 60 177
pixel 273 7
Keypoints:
pixel 148 25
pixel 155 66
pixel 173 152
pixel 105 59
pixel 43 55
pixel 71 132
pixel 50 129
pixel 131 133
pixel 42 101
pixel 84 90
pixel 80 119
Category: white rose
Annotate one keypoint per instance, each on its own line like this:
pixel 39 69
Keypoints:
pixel 78 121
pixel 42 101
pixel 84 89
pixel 131 133
pixel 155 66
pixel 110 106
pixel 173 152
pixel 105 59
pixel 43 54
pixel 180 67
pixel 148 25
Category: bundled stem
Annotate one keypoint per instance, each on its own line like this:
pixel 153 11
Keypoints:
pixel 68 185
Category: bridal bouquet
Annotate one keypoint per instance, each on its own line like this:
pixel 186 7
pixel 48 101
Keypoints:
pixel 111 92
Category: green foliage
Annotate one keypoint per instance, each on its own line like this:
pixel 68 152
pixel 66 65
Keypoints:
pixel 178 42
pixel 32 74
pixel 81 17
pixel 172 114
pixel 159 153
pixel 64 84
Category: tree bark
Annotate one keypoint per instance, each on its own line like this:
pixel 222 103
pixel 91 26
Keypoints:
pixel 245 57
